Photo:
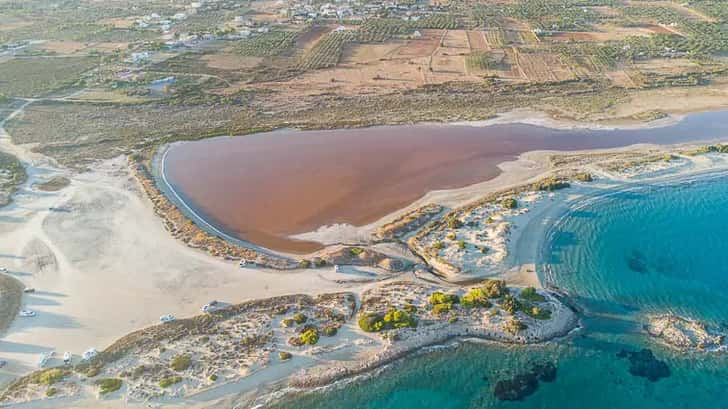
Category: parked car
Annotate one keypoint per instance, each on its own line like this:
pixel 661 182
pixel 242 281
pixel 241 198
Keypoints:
pixel 3 270
pixel 166 318
pixel 90 353
pixel 27 313
pixel 28 290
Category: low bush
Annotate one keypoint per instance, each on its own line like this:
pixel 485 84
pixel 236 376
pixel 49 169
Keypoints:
pixel 310 336
pixel 530 294
pixel 109 385
pixel 476 298
pixel 284 356
pixel 443 298
pixel 299 318
pixel 169 381
pixel 181 362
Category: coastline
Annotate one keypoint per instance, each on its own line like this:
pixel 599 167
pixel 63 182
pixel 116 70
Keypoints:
pixel 475 193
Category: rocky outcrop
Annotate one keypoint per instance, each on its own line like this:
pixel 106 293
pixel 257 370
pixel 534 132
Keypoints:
pixel 685 333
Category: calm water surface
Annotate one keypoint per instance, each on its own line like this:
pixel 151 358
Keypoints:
pixel 265 187
pixel 657 249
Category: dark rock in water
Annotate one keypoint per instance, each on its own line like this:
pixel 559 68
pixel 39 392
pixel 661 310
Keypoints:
pixel 517 388
pixel 523 385
pixel 636 262
pixel 644 364
pixel 485 378
pixel 546 372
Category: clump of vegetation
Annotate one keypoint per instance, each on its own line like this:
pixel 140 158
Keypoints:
pixel 50 392
pixel 509 203
pixel 551 184
pixel 284 356
pixel 356 251
pixel 169 381
pixel 330 330
pixel 299 318
pixel 48 376
pixel 181 362
pixel 460 244
pixel 583 177
pixel 514 326
pixel 304 263
pixel 213 377
pixel 476 298
pixel 443 298
pixel 452 320
pixel 454 222
pixel 530 294
pixel 510 304
pixel 394 318
pixel 92 371
pixel 288 322
pixel 440 309
pixel 411 309
pixel 537 312
pixel 309 336
pixel 494 288
pixel 108 385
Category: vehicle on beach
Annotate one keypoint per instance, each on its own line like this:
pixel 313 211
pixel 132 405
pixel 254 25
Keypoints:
pixel 166 318
pixel 337 268
pixel 27 313
pixel 3 363
pixel 28 290
pixel 3 270
pixel 211 306
pixel 44 358
pixel 246 263
pixel 67 357
pixel 88 354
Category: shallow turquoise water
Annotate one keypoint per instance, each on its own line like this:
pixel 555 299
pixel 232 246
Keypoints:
pixel 654 249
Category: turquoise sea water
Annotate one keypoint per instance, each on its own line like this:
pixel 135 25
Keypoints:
pixel 652 249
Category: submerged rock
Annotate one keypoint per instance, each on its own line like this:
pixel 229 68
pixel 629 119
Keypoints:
pixel 523 385
pixel 637 262
pixel 644 364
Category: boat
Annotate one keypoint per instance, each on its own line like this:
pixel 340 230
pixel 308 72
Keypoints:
pixel 67 357
pixel 44 358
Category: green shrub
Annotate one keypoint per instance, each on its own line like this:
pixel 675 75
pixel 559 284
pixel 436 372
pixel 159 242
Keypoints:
pixel 51 392
pixel 92 371
pixel 371 322
pixel 514 326
pixel 443 308
pixel 454 223
pixel 452 320
pixel 299 318
pixel 288 322
pixel 438 245
pixel 330 330
pixel 461 244
pixel 169 381
pixel 108 385
pixel 304 263
pixel 398 319
pixel 509 203
pixel 284 356
pixel 450 236
pixel 213 377
pixel 443 298
pixel 510 304
pixel 530 294
pixel 355 251
pixel 475 298
pixel 411 309
pixel 48 376
pixel 494 288
pixel 181 362
pixel 310 336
